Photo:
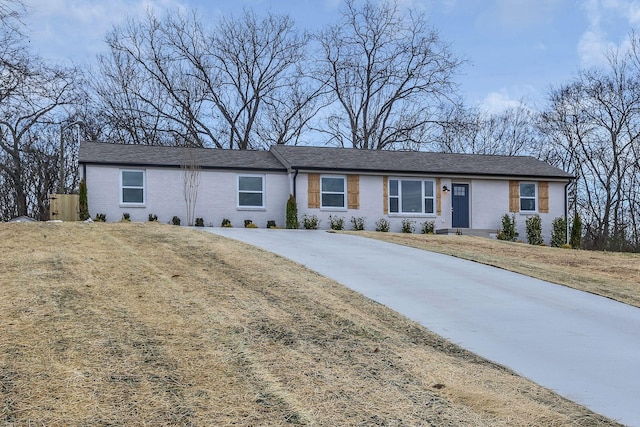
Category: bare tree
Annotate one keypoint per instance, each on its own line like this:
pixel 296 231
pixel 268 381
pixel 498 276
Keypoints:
pixel 467 130
pixel 237 85
pixel 593 129
pixel 31 93
pixel 190 183
pixel 388 72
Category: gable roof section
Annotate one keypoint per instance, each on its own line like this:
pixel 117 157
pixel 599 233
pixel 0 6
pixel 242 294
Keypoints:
pixel 102 153
pixel 398 162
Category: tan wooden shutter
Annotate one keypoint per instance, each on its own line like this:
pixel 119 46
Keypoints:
pixel 438 201
pixel 353 191
pixel 543 197
pixel 313 182
pixel 514 196
pixel 385 195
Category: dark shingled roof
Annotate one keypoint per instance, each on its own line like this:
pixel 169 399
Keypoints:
pixel 102 153
pixel 282 158
pixel 346 159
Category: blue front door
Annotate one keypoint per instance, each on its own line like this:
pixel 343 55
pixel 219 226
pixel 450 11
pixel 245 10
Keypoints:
pixel 460 206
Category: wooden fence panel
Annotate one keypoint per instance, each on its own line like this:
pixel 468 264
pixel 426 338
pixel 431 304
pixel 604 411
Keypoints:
pixel 64 207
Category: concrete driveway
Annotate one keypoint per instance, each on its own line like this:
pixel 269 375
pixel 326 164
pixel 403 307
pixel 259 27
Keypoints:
pixel 585 347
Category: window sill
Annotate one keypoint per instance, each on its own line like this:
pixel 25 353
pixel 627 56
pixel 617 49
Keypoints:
pixel 412 215
pixel 333 209
pixel 133 205
pixel 251 208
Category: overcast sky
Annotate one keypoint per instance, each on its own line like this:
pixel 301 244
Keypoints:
pixel 516 49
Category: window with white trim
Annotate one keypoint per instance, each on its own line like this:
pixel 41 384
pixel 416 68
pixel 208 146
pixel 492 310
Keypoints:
pixel 251 191
pixel 412 196
pixel 132 187
pixel 528 196
pixel 332 191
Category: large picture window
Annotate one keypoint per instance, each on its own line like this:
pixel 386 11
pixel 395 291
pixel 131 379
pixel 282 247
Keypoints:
pixel 332 191
pixel 251 191
pixel 132 187
pixel 528 197
pixel 412 196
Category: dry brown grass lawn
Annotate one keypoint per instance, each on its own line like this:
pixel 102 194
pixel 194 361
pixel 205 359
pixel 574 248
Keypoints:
pixel 610 274
pixel 148 324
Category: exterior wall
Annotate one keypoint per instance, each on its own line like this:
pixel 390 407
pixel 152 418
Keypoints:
pixel 218 192
pixel 217 196
pixel 488 202
pixel 371 206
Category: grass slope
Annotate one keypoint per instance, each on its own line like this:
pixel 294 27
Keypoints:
pixel 148 324
pixel 610 274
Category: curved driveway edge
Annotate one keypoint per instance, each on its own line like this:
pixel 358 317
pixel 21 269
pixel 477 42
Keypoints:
pixel 584 347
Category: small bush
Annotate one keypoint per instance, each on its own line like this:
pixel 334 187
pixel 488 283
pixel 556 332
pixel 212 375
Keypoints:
pixel 576 232
pixel 226 223
pixel 382 225
pixel 357 223
pixel 153 218
pixel 175 220
pixel 100 217
pixel 408 226
pixel 428 227
pixel 336 222
pixel 558 232
pixel 566 246
pixel 199 222
pixel 271 224
pixel 508 231
pixel 83 201
pixel 533 224
pixel 126 217
pixel 247 222
pixel 292 213
pixel 310 222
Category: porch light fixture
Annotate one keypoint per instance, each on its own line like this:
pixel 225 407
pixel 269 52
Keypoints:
pixel 445 189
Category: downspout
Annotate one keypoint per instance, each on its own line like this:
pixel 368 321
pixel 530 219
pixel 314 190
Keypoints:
pixel 566 212
pixel 294 183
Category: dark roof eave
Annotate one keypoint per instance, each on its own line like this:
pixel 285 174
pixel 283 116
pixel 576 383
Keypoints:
pixel 159 165
pixel 432 172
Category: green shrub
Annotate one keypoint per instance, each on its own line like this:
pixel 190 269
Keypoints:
pixel 199 222
pixel 508 231
pixel 382 225
pixel 357 223
pixel 175 220
pixel 310 222
pixel 226 223
pixel 576 232
pixel 126 217
pixel 533 224
pixel 336 223
pixel 247 222
pixel 83 202
pixel 558 232
pixel 408 226
pixel 153 218
pixel 292 213
pixel 428 227
pixel 100 217
pixel 271 224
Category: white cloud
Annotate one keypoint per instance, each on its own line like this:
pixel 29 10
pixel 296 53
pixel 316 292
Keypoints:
pixel 604 17
pixel 63 29
pixel 593 47
pixel 497 102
